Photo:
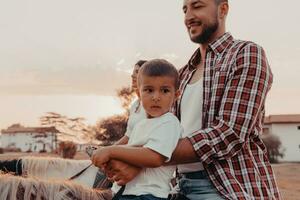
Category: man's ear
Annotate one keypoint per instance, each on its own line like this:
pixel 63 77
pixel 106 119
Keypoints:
pixel 223 9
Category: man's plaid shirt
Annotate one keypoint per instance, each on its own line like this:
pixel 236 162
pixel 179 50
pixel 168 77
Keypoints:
pixel 236 81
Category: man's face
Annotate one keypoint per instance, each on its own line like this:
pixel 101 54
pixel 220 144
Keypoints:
pixel 201 19
pixel 157 94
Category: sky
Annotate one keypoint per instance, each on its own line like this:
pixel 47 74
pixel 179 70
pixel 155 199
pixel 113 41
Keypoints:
pixel 70 56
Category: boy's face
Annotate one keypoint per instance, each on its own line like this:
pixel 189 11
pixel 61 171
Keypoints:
pixel 157 94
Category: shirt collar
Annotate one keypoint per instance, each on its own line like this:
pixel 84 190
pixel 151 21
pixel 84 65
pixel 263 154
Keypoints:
pixel 218 46
pixel 195 60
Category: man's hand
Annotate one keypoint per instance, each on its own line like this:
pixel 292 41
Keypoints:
pixel 121 172
pixel 101 156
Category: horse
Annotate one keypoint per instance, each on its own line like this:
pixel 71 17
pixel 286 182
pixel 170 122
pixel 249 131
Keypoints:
pixel 20 188
pixel 48 168
pixel 48 178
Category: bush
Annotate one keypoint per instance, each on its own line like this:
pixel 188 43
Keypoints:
pixel 67 149
pixel 111 129
pixel 273 145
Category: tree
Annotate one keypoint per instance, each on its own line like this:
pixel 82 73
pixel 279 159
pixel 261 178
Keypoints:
pixel 126 95
pixel 273 145
pixel 111 129
pixel 70 129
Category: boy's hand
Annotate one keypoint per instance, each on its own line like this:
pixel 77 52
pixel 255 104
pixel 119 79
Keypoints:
pixel 101 156
pixel 121 172
pixel 90 150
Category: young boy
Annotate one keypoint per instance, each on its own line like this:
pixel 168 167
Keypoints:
pixel 153 139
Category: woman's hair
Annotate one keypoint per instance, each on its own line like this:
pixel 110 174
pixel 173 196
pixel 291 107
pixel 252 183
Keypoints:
pixel 140 62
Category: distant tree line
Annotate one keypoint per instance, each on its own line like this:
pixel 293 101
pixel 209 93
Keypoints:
pixel 107 130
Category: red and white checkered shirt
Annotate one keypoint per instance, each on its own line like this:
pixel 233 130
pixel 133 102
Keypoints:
pixel 236 81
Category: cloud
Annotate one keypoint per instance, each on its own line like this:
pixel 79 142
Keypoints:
pixel 121 62
pixel 80 81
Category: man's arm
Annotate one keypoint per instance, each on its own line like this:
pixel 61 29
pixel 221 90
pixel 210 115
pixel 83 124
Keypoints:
pixel 183 153
pixel 241 106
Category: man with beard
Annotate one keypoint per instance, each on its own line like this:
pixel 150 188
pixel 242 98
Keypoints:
pixel 224 88
pixel 223 91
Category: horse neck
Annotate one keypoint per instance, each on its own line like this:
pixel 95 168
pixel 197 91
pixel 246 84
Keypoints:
pixel 59 169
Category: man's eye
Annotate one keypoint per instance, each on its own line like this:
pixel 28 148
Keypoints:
pixel 198 6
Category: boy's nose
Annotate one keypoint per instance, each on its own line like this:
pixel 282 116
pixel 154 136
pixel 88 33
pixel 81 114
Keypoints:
pixel 156 97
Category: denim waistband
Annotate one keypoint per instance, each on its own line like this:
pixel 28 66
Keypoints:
pixel 194 175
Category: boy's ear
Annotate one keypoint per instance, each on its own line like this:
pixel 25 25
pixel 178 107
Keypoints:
pixel 177 94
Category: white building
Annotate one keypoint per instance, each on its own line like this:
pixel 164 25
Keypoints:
pixel 29 138
pixel 287 128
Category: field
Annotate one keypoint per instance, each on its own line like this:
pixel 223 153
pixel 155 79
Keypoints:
pixel 288 174
pixel 288 179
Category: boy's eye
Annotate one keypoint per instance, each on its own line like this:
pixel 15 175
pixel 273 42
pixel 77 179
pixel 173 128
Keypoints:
pixel 165 90
pixel 147 90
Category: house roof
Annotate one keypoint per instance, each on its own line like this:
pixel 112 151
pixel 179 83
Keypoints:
pixel 282 119
pixel 17 128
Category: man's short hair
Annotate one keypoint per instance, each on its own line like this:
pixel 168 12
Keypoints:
pixel 220 1
pixel 159 67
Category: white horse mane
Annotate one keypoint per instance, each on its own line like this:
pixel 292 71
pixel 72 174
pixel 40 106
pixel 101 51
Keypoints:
pixel 50 167
pixel 19 188
pixel 53 168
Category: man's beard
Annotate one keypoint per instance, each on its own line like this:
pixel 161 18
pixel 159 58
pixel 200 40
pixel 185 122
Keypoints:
pixel 208 31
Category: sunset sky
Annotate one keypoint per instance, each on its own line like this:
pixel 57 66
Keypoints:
pixel 69 56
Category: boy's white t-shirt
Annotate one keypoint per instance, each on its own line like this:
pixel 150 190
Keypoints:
pixel 135 115
pixel 160 134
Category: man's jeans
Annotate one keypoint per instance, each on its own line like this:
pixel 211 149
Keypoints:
pixel 197 186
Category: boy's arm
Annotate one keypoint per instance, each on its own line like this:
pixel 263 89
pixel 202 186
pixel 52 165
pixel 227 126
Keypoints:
pixel 123 140
pixel 138 156
pixel 158 148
